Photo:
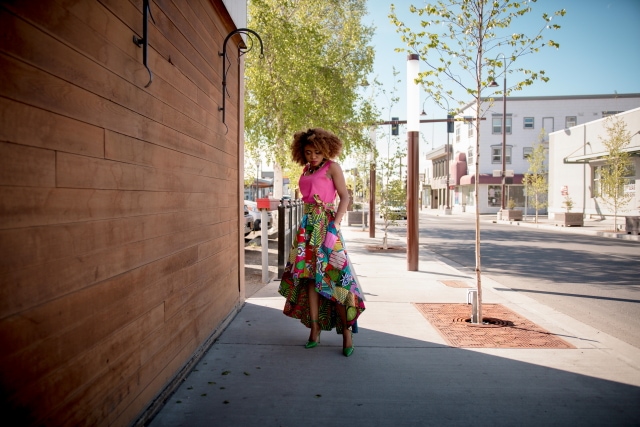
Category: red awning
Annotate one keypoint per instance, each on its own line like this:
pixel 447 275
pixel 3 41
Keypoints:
pixel 262 183
pixel 458 168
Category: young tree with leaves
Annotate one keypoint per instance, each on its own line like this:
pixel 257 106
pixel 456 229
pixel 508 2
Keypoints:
pixel 459 42
pixel 362 157
pixel 316 58
pixel 392 191
pixel 617 168
pixel 535 179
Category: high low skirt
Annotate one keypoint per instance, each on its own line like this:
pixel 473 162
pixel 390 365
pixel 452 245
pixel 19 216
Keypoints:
pixel 319 256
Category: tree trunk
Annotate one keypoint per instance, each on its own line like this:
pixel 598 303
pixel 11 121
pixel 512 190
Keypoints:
pixel 615 212
pixel 277 181
pixel 477 189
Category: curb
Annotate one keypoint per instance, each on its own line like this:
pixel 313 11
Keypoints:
pixel 574 230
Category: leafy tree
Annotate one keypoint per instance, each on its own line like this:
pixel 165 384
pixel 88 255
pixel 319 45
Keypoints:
pixel 361 175
pixel 535 180
pixel 392 193
pixel 250 173
pixel 454 42
pixel 316 57
pixel 617 167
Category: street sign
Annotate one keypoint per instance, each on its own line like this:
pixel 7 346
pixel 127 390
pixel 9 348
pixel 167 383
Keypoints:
pixel 508 173
pixel 497 173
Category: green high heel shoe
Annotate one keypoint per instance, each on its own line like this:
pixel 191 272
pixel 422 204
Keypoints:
pixel 348 351
pixel 312 344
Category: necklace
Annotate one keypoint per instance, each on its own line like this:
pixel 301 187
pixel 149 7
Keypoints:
pixel 311 170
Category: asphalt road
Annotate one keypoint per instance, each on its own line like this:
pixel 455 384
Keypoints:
pixel 595 280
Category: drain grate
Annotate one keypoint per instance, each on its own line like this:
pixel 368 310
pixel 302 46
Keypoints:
pixel 390 249
pixel 487 322
pixel 502 328
pixel 455 283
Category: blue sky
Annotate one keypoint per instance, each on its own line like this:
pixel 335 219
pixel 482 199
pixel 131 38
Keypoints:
pixel 599 53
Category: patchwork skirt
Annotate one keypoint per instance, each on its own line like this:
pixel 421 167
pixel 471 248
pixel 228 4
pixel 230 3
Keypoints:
pixel 318 256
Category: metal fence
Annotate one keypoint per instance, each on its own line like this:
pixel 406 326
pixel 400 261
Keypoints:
pixel 289 217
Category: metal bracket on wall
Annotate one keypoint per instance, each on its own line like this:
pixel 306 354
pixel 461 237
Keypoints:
pixel 144 41
pixel 242 51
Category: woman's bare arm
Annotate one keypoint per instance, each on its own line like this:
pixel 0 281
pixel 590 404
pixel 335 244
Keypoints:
pixel 335 173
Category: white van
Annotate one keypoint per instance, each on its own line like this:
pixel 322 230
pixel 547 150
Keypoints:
pixel 257 215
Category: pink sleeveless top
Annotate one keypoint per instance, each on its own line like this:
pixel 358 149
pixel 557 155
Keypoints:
pixel 317 183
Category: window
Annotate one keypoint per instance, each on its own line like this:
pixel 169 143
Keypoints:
pixel 597 181
pixel 469 129
pixel 628 185
pixel 494 196
pixel 468 195
pixel 440 168
pixel 470 156
pixel 609 113
pixel 496 154
pixel 570 121
pixel 497 124
pixel 528 123
pixel 527 152
pixel 515 192
pixel 458 133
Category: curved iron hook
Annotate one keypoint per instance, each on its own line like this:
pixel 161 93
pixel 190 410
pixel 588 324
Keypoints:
pixel 144 41
pixel 247 32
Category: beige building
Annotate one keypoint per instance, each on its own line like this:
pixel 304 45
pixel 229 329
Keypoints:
pixel 575 156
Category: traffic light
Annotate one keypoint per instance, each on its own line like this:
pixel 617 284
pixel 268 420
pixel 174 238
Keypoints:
pixel 449 123
pixel 395 128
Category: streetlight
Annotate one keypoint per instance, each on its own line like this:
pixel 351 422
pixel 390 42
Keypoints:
pixel 372 183
pixel 413 137
pixel 504 131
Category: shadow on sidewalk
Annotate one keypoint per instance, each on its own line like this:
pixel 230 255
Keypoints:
pixel 258 373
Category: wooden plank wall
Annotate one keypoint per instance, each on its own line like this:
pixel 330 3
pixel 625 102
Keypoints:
pixel 119 204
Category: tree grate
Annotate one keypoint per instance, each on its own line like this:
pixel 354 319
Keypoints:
pixel 502 328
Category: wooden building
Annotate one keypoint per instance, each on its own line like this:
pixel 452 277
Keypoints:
pixel 120 211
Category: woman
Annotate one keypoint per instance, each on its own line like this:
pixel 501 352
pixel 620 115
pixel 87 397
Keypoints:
pixel 318 282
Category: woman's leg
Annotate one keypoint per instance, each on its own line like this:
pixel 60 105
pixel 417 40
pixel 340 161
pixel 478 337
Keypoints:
pixel 347 340
pixel 314 309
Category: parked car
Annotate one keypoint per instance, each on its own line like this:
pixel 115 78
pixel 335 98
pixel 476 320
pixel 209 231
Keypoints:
pixel 256 215
pixel 396 211
pixel 248 221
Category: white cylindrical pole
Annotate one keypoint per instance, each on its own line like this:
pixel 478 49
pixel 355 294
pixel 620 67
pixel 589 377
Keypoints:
pixel 413 93
pixel 264 242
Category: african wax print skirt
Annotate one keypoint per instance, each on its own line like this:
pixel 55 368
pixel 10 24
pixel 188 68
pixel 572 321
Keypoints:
pixel 319 255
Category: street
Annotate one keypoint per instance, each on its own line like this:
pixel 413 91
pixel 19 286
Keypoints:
pixel 595 280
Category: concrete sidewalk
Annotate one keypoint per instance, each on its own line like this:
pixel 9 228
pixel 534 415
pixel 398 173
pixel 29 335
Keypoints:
pixel 402 372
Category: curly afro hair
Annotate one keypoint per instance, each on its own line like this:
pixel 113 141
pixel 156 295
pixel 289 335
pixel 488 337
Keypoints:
pixel 326 142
